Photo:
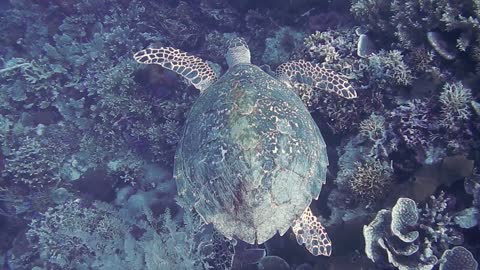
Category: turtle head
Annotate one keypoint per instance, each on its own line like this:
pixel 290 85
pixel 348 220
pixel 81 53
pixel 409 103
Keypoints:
pixel 237 52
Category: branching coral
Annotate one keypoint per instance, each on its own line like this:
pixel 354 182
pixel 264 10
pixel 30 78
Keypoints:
pixel 32 164
pixel 411 121
pixel 428 123
pixel 472 186
pixel 386 66
pixel 375 75
pixel 376 131
pixel 408 22
pixel 330 46
pixel 69 235
pixel 77 235
pixel 373 127
pixel 422 59
pixel 371 180
pixel 455 101
pixel 438 224
pixel 31 83
pixel 127 115
pixel 128 168
pixel 83 71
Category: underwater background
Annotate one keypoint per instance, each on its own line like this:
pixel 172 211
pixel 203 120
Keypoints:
pixel 88 135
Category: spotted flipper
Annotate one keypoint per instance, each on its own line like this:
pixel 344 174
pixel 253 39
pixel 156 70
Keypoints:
pixel 192 68
pixel 303 72
pixel 310 232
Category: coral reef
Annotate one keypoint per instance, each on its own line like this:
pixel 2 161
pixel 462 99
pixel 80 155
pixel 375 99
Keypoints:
pixel 389 65
pixel 74 235
pixel 87 136
pixel 412 238
pixel 279 47
pixel 32 165
pixel 471 217
pixel 449 27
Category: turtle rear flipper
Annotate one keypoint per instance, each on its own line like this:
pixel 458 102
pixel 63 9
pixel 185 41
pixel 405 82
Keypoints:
pixel 192 68
pixel 304 72
pixel 309 231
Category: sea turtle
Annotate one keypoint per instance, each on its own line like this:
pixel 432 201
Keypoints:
pixel 251 158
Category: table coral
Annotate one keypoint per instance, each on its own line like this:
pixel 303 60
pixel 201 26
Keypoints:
pixel 458 258
pixel 416 238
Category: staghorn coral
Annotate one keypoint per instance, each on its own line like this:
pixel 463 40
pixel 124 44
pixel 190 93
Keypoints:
pixel 369 11
pixel 438 225
pixel 67 78
pixel 128 168
pixel 31 163
pixel 336 50
pixel 412 123
pixel 371 180
pixel 29 82
pixel 455 101
pixel 184 33
pixel 376 131
pixel 69 235
pixel 34 154
pixel 414 17
pixel 408 22
pixel 373 127
pixel 370 175
pixel 422 59
pixel 385 66
pixel 331 46
pixel 375 77
pixel 77 235
pixel 427 125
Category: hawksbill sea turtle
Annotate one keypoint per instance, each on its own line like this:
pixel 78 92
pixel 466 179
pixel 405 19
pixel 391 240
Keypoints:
pixel 251 158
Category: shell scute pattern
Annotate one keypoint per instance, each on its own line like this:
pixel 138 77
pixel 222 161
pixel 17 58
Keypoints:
pixel 251 159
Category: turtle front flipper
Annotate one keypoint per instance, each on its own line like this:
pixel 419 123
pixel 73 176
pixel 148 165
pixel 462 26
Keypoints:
pixel 309 231
pixel 304 72
pixel 192 68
